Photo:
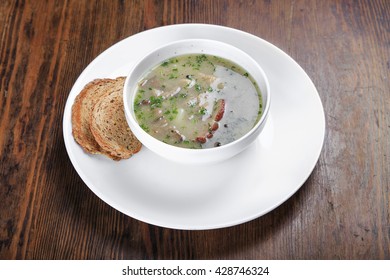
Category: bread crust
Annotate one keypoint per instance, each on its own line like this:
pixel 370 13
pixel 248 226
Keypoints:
pixel 110 128
pixel 82 110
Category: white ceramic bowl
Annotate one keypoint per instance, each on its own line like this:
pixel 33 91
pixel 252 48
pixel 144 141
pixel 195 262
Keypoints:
pixel 191 46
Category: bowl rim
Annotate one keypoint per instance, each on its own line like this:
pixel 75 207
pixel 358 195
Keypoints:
pixel 129 96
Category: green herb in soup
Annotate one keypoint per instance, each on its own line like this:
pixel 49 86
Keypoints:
pixel 197 101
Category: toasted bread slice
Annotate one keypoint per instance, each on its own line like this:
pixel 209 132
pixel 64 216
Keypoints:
pixel 82 110
pixel 110 128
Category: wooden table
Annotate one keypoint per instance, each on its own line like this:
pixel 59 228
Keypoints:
pixel 341 212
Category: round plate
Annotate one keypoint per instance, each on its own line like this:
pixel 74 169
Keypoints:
pixel 154 190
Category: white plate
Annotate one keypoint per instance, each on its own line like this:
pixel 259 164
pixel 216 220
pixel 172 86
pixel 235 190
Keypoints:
pixel 153 190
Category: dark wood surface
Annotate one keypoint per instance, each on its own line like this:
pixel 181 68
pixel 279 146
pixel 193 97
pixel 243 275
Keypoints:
pixel 341 212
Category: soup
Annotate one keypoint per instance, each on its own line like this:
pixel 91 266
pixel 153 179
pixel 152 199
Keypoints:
pixel 197 101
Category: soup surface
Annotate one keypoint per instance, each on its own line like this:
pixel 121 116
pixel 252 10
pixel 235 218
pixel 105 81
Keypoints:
pixel 197 101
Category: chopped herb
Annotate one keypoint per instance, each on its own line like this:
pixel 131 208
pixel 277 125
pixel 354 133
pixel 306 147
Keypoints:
pixel 140 115
pixel 198 87
pixel 144 127
pixel 171 115
pixel 165 64
pixel 201 58
pixel 246 74
pixel 137 100
pixel 173 60
pixel 192 104
pixel 156 102
pixel 203 111
pixel 172 76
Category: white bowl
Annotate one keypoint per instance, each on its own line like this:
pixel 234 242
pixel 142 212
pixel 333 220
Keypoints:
pixel 191 46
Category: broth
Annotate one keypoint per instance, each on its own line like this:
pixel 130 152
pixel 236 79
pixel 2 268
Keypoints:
pixel 197 101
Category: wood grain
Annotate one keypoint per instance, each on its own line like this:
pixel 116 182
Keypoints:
pixel 341 212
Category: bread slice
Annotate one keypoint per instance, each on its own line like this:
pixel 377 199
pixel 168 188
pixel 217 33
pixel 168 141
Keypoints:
pixel 110 128
pixel 82 110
